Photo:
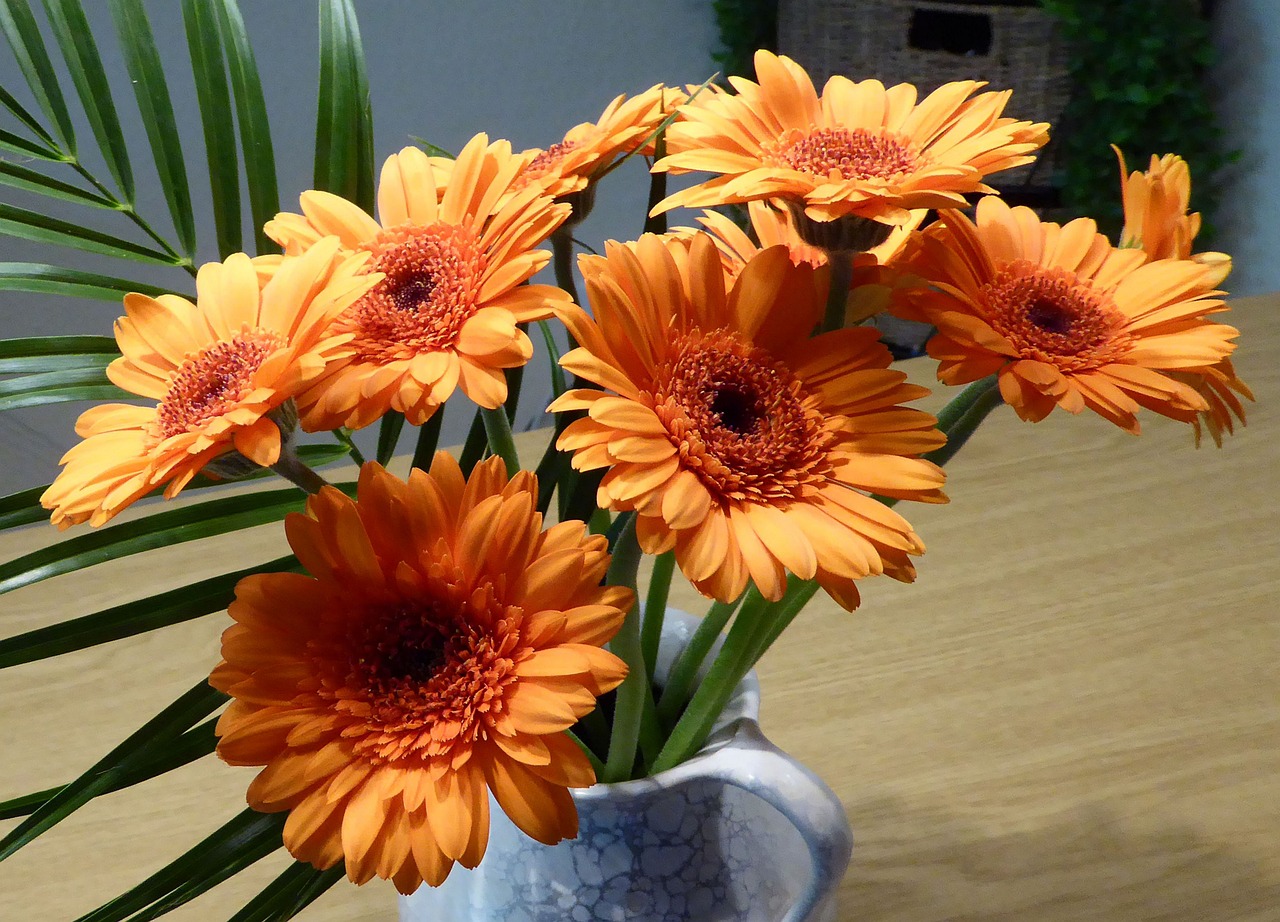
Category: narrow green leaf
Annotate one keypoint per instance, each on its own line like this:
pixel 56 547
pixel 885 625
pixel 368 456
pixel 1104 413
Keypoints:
pixel 251 115
pixel 24 148
pixel 246 838
pixel 365 166
pixel 196 743
pixel 71 28
pixel 155 734
pixel 31 225
pixel 36 364
pixel 161 529
pixel 217 120
pixel 296 888
pixel 173 607
pixel 388 435
pixel 343 113
pixel 558 382
pixel 40 382
pixel 22 508
pixel 10 102
pixel 40 278
pixel 11 174
pixel 25 346
pixel 152 92
pixel 24 37
pixel 64 394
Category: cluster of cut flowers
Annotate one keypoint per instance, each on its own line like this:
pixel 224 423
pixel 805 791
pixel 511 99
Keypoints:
pixel 727 403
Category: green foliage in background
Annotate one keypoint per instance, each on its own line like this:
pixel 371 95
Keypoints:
pixel 744 25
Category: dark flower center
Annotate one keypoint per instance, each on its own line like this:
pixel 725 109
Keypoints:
pixel 208 383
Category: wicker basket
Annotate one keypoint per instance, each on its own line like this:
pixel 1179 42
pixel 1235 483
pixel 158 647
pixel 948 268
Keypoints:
pixel 931 42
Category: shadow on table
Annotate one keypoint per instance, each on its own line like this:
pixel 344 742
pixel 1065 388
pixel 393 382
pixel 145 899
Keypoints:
pixel 911 866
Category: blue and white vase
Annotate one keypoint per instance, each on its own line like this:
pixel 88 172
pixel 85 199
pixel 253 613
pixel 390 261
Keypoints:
pixel 741 831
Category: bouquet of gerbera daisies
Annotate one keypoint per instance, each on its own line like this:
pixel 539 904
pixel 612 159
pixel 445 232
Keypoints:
pixel 434 641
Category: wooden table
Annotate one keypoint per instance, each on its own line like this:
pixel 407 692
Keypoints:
pixel 1074 713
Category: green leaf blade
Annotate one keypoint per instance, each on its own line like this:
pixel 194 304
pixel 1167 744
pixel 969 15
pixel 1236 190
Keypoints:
pixel 344 120
pixel 31 225
pixel 19 27
pixel 71 28
pixel 41 278
pixel 11 174
pixel 217 121
pixel 142 59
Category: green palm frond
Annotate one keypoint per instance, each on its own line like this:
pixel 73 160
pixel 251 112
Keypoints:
pixel 40 155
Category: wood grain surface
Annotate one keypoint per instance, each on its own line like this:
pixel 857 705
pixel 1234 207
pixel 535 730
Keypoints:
pixel 1074 713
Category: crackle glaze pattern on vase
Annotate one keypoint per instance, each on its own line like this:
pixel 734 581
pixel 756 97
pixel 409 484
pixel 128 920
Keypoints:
pixel 739 832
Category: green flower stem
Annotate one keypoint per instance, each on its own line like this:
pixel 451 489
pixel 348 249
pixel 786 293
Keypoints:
pixel 655 607
pixel 732 663
pixel 779 615
pixel 630 701
pixel 474 448
pixel 497 429
pixel 961 418
pixel 292 469
pixel 428 439
pixel 841 264
pixel 389 436
pixel 562 259
pixel 684 671
pixel 594 759
pixel 344 438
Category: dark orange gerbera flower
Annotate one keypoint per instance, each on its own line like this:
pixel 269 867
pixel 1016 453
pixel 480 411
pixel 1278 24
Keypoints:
pixel 438 651
pixel 740 442
pixel 872 284
pixel 859 149
pixel 568 165
pixel 223 370
pixel 1156 219
pixel 455 257
pixel 1065 318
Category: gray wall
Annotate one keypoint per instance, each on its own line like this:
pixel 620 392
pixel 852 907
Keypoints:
pixel 442 71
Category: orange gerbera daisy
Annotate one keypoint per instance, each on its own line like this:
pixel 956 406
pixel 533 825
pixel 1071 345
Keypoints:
pixel 872 284
pixel 1156 219
pixel 455 258
pixel 225 371
pixel 1065 318
pixel 740 442
pixel 858 150
pixel 589 148
pixel 438 652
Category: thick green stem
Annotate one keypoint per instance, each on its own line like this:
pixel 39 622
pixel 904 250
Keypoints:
pixel 838 294
pixel 389 436
pixel 655 607
pixel 497 429
pixel 428 440
pixel 475 446
pixel 562 259
pixel 961 418
pixel 684 671
pixel 779 615
pixel 292 469
pixel 629 705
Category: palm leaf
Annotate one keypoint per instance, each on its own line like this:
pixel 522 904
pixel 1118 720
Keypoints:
pixel 81 53
pixel 10 102
pixel 24 148
pixel 59 386
pixel 154 736
pixel 11 174
pixel 251 115
pixel 31 225
pixel 217 120
pixel 19 27
pixel 290 893
pixel 344 118
pixel 152 93
pixel 40 278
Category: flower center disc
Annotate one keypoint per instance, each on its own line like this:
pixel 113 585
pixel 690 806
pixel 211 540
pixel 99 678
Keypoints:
pixel 739 419
pixel 546 162
pixel 850 153
pixel 1052 315
pixel 213 380
pixel 430 290
pixel 423 677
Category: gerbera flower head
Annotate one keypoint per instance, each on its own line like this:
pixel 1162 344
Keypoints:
pixel 740 442
pixel 454 258
pixel 1065 318
pixel 437 651
pixel 872 283
pixel 570 165
pixel 859 154
pixel 223 373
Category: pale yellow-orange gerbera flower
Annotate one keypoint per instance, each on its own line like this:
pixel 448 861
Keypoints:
pixel 1064 318
pixel 745 445
pixel 625 125
pixel 1156 219
pixel 455 258
pixel 859 149
pixel 872 284
pixel 438 650
pixel 223 370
